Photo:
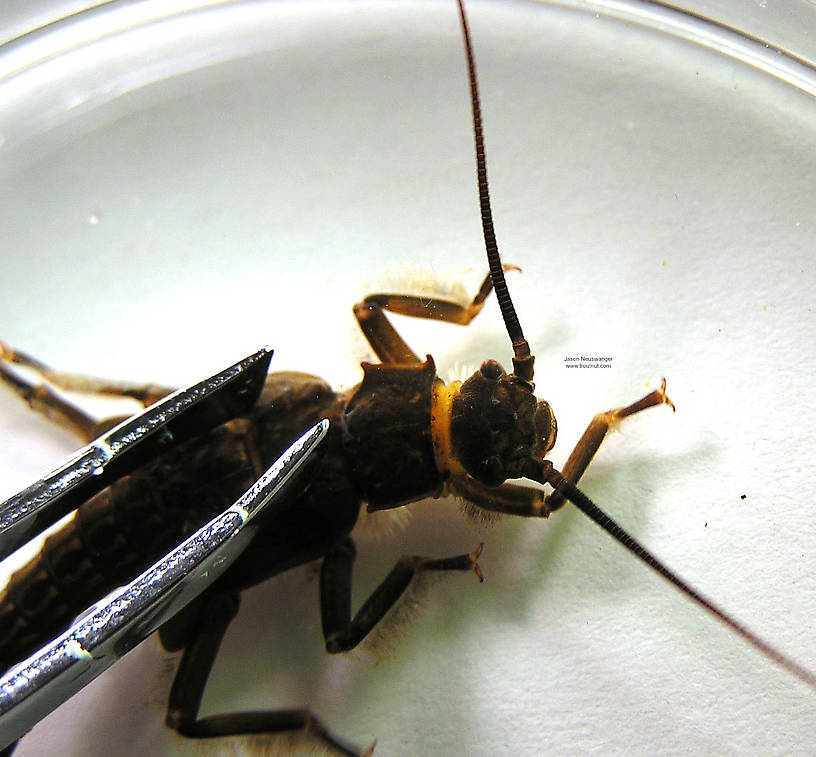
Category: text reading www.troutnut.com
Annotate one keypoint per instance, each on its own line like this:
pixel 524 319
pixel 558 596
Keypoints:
pixel 585 361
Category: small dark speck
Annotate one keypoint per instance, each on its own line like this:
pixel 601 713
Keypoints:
pixel 743 496
pixel 706 525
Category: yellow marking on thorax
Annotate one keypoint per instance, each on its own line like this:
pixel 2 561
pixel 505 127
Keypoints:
pixel 442 396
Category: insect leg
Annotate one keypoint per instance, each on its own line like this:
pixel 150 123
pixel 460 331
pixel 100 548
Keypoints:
pixel 40 395
pixel 147 394
pixel 44 400
pixel 595 433
pixel 342 632
pixel 205 625
pixel 383 337
pixel 508 498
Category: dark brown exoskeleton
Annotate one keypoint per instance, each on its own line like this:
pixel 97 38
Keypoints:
pixel 400 436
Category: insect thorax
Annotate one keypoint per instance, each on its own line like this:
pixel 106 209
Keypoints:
pixel 387 435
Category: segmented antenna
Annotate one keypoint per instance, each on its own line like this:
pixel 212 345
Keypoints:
pixel 544 472
pixel 522 360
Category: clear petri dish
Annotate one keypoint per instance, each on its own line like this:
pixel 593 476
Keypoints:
pixel 182 184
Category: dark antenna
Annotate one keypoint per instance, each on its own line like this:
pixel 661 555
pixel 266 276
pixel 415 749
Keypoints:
pixel 522 359
pixel 544 472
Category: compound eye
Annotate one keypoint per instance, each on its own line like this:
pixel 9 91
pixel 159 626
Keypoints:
pixel 491 370
pixel 546 429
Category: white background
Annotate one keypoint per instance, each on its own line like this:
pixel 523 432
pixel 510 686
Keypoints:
pixel 178 195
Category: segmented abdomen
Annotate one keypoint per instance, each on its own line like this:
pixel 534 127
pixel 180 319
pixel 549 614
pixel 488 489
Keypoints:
pixel 125 528
pixel 119 533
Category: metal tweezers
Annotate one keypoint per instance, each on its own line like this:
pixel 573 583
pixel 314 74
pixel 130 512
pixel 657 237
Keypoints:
pixel 116 624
